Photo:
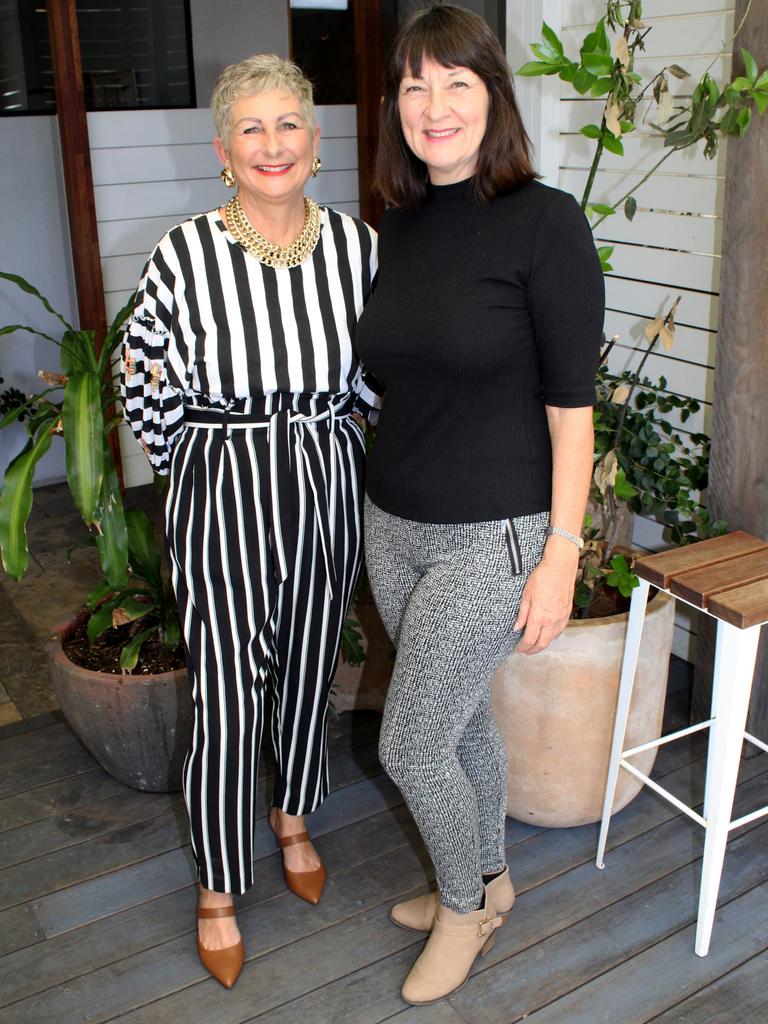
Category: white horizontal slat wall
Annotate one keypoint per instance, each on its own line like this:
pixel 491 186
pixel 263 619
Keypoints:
pixel 153 168
pixel 673 245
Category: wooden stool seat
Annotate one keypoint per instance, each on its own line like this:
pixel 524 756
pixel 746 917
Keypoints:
pixel 726 578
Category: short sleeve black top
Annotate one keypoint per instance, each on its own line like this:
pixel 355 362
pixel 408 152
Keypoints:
pixel 481 315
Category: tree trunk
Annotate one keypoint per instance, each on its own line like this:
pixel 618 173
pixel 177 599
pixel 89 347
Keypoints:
pixel 738 488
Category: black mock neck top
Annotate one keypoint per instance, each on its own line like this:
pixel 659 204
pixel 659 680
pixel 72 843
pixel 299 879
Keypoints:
pixel 481 316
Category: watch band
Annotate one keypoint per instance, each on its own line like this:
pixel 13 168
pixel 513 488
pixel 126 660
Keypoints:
pixel 560 532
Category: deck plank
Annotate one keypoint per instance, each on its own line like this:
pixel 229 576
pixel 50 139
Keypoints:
pixel 581 946
pixel 506 990
pixel 641 988
pixel 742 994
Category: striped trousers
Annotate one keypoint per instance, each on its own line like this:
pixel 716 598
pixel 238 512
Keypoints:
pixel 263 529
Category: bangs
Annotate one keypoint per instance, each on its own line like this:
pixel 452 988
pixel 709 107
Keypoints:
pixel 435 38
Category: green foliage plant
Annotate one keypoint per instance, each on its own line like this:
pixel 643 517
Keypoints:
pixel 80 404
pixel 641 461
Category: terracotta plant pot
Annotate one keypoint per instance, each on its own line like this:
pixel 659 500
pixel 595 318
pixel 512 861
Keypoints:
pixel 138 727
pixel 556 712
pixel 364 687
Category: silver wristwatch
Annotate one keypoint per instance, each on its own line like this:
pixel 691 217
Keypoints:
pixel 560 532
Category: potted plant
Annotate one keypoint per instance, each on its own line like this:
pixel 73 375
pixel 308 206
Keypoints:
pixel 556 709
pixel 117 667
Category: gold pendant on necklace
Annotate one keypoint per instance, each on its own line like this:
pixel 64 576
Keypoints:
pixel 269 253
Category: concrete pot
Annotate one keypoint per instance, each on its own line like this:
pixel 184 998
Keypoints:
pixel 556 712
pixel 364 687
pixel 138 727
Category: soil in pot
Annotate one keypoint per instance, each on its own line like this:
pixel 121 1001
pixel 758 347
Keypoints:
pixel 104 654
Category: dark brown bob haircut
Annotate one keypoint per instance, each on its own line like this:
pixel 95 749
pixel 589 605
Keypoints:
pixel 453 37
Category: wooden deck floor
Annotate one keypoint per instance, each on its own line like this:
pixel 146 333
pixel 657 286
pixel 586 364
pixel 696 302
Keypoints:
pixel 96 898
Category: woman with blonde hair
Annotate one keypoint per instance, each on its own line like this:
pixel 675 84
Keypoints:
pixel 239 379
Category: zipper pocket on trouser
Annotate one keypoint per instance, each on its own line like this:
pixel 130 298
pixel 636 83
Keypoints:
pixel 513 547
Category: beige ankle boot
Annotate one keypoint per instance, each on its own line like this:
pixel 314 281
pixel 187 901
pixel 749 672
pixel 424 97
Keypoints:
pixel 453 946
pixel 418 914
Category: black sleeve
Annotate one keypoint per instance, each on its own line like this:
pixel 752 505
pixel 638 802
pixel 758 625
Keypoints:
pixel 566 299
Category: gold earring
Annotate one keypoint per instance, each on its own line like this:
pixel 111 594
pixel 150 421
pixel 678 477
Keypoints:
pixel 227 177
pixel 317 163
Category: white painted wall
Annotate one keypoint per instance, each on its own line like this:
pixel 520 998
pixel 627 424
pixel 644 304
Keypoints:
pixel 34 242
pixel 673 246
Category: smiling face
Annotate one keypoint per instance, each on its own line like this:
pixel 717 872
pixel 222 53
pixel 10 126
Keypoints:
pixel 443 115
pixel 270 147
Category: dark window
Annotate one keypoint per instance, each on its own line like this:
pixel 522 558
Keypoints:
pixel 135 54
pixel 323 45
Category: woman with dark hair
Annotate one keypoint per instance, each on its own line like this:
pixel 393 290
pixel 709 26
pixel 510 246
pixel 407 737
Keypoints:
pixel 484 331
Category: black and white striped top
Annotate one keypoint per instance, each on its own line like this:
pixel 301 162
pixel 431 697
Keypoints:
pixel 214 327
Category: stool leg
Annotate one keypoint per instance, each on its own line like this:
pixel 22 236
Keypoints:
pixel 735 654
pixel 628 666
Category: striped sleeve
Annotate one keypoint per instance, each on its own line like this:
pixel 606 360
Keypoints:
pixel 154 409
pixel 368 392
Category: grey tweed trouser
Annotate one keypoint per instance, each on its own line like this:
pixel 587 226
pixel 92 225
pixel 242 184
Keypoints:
pixel 448 595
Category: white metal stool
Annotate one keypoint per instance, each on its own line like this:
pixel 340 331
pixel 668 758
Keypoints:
pixel 727 578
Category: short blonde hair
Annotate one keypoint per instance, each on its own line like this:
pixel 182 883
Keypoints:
pixel 263 72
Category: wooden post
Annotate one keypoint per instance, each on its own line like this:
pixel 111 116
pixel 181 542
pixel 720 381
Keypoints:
pixel 76 157
pixel 738 487
pixel 78 180
pixel 369 65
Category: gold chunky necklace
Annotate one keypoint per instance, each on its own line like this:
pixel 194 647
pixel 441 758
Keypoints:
pixel 266 252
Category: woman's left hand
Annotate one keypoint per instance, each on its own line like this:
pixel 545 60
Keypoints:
pixel 546 604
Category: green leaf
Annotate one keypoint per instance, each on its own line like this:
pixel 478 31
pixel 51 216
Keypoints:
pixel 740 84
pixel 597 41
pixel 16 499
pixel 603 210
pixel 25 286
pixel 352 650
pixel 536 67
pixel 601 86
pixel 597 64
pixel 84 441
pixel 132 608
pixel 761 102
pixel 551 37
pixel 129 655
pixel 743 119
pixel 750 66
pixel 97 595
pixel 545 53
pixel 612 144
pixel 568 71
pixel 101 620
pixel 592 131
pixel 622 488
pixel 171 632
pixel 143 553
pixel 112 538
pixel 583 81
pixel 630 207
pixel 10 328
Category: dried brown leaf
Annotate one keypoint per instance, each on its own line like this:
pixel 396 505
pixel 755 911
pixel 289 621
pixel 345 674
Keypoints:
pixel 52 379
pixel 605 472
pixel 613 118
pixel 654 327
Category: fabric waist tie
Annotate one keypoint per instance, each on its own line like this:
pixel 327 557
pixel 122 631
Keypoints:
pixel 279 426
